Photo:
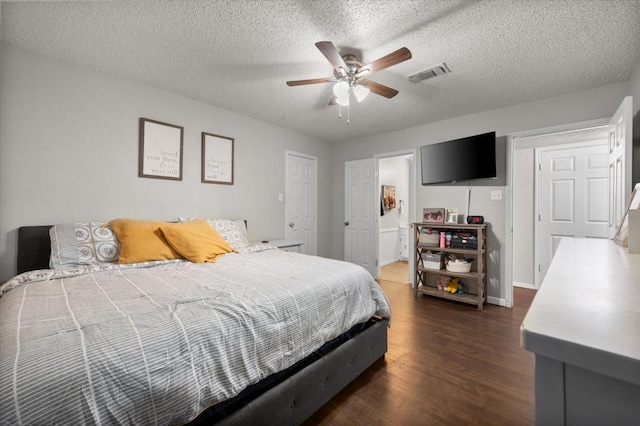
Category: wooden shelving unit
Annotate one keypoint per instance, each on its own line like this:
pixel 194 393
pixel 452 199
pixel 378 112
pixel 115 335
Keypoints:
pixel 426 278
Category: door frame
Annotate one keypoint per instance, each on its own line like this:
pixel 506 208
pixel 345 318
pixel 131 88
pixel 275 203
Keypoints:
pixel 620 192
pixel 511 140
pixel 411 203
pixel 313 249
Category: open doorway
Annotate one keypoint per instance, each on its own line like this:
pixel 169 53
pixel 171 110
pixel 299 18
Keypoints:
pixel 521 207
pixel 396 173
pixel 546 185
pixel 620 178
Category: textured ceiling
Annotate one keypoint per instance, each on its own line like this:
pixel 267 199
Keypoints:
pixel 237 55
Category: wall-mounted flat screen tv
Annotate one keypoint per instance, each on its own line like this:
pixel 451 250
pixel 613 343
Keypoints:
pixel 473 157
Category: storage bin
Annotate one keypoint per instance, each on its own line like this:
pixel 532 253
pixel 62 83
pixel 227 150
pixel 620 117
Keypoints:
pixel 432 260
pixel 429 238
pixel 463 241
pixel 463 267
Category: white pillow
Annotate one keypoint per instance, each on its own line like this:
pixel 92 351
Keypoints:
pixel 75 244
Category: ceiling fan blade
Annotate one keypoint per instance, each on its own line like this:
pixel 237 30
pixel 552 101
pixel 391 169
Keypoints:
pixel 387 61
pixel 310 81
pixel 331 53
pixel 379 89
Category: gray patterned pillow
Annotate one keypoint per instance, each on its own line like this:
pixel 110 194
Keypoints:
pixel 75 244
pixel 234 232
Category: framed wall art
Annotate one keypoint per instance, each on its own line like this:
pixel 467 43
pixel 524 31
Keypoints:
pixel 160 150
pixel 388 197
pixel 217 159
pixel 432 215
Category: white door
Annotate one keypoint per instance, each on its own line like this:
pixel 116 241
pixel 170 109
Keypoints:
pixel 359 214
pixel 301 190
pixel 620 152
pixel 572 194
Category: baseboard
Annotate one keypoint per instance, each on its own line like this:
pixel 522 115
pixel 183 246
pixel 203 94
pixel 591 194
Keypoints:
pixel 524 285
pixel 496 301
pixel 389 262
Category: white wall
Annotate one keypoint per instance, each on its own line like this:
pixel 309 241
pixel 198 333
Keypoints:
pixel 69 152
pixel 395 171
pixel 523 212
pixel 586 105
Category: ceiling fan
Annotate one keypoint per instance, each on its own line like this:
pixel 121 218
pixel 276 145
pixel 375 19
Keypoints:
pixel 349 74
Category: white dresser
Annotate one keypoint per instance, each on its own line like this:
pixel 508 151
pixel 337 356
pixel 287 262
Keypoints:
pixel 584 329
pixel 287 245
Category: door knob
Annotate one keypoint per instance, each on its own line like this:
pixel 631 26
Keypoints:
pixel 346 224
pixel 291 225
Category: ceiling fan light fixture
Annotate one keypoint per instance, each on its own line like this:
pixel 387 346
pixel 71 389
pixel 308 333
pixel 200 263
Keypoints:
pixel 360 92
pixel 341 89
pixel 343 100
pixel 348 72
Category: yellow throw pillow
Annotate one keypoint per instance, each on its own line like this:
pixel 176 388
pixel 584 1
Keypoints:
pixel 140 241
pixel 195 240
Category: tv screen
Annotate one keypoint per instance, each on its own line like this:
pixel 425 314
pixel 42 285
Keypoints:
pixel 473 157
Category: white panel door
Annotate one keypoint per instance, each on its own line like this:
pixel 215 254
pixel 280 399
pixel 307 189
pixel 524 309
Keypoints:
pixel 572 198
pixel 359 214
pixel 301 201
pixel 620 154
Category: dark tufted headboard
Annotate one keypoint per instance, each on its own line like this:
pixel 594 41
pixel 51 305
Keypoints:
pixel 34 248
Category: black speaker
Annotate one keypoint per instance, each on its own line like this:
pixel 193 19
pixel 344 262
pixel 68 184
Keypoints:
pixel 475 220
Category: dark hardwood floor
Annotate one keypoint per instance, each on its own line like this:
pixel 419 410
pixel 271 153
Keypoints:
pixel 447 364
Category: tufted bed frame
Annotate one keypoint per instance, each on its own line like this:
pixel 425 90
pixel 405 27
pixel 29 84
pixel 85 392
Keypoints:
pixel 288 399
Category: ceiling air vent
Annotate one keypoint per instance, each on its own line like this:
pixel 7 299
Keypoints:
pixel 431 72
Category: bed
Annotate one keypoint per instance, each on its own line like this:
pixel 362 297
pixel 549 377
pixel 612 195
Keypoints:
pixel 261 336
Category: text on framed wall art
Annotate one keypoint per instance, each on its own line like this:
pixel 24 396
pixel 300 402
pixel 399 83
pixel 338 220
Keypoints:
pixel 160 150
pixel 217 159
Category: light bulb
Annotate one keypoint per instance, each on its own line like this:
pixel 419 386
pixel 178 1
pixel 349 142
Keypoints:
pixel 343 99
pixel 361 92
pixel 341 89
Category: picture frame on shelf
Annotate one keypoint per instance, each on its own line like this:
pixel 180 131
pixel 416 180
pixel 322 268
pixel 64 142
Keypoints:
pixel 160 150
pixel 433 215
pixel 452 216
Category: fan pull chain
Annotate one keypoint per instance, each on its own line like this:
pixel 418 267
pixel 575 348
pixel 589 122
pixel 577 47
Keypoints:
pixel 348 113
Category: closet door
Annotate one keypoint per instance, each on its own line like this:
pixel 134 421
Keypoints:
pixel 572 190
pixel 359 214
pixel 301 216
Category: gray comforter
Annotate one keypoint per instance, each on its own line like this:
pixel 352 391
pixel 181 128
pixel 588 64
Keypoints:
pixel 158 344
